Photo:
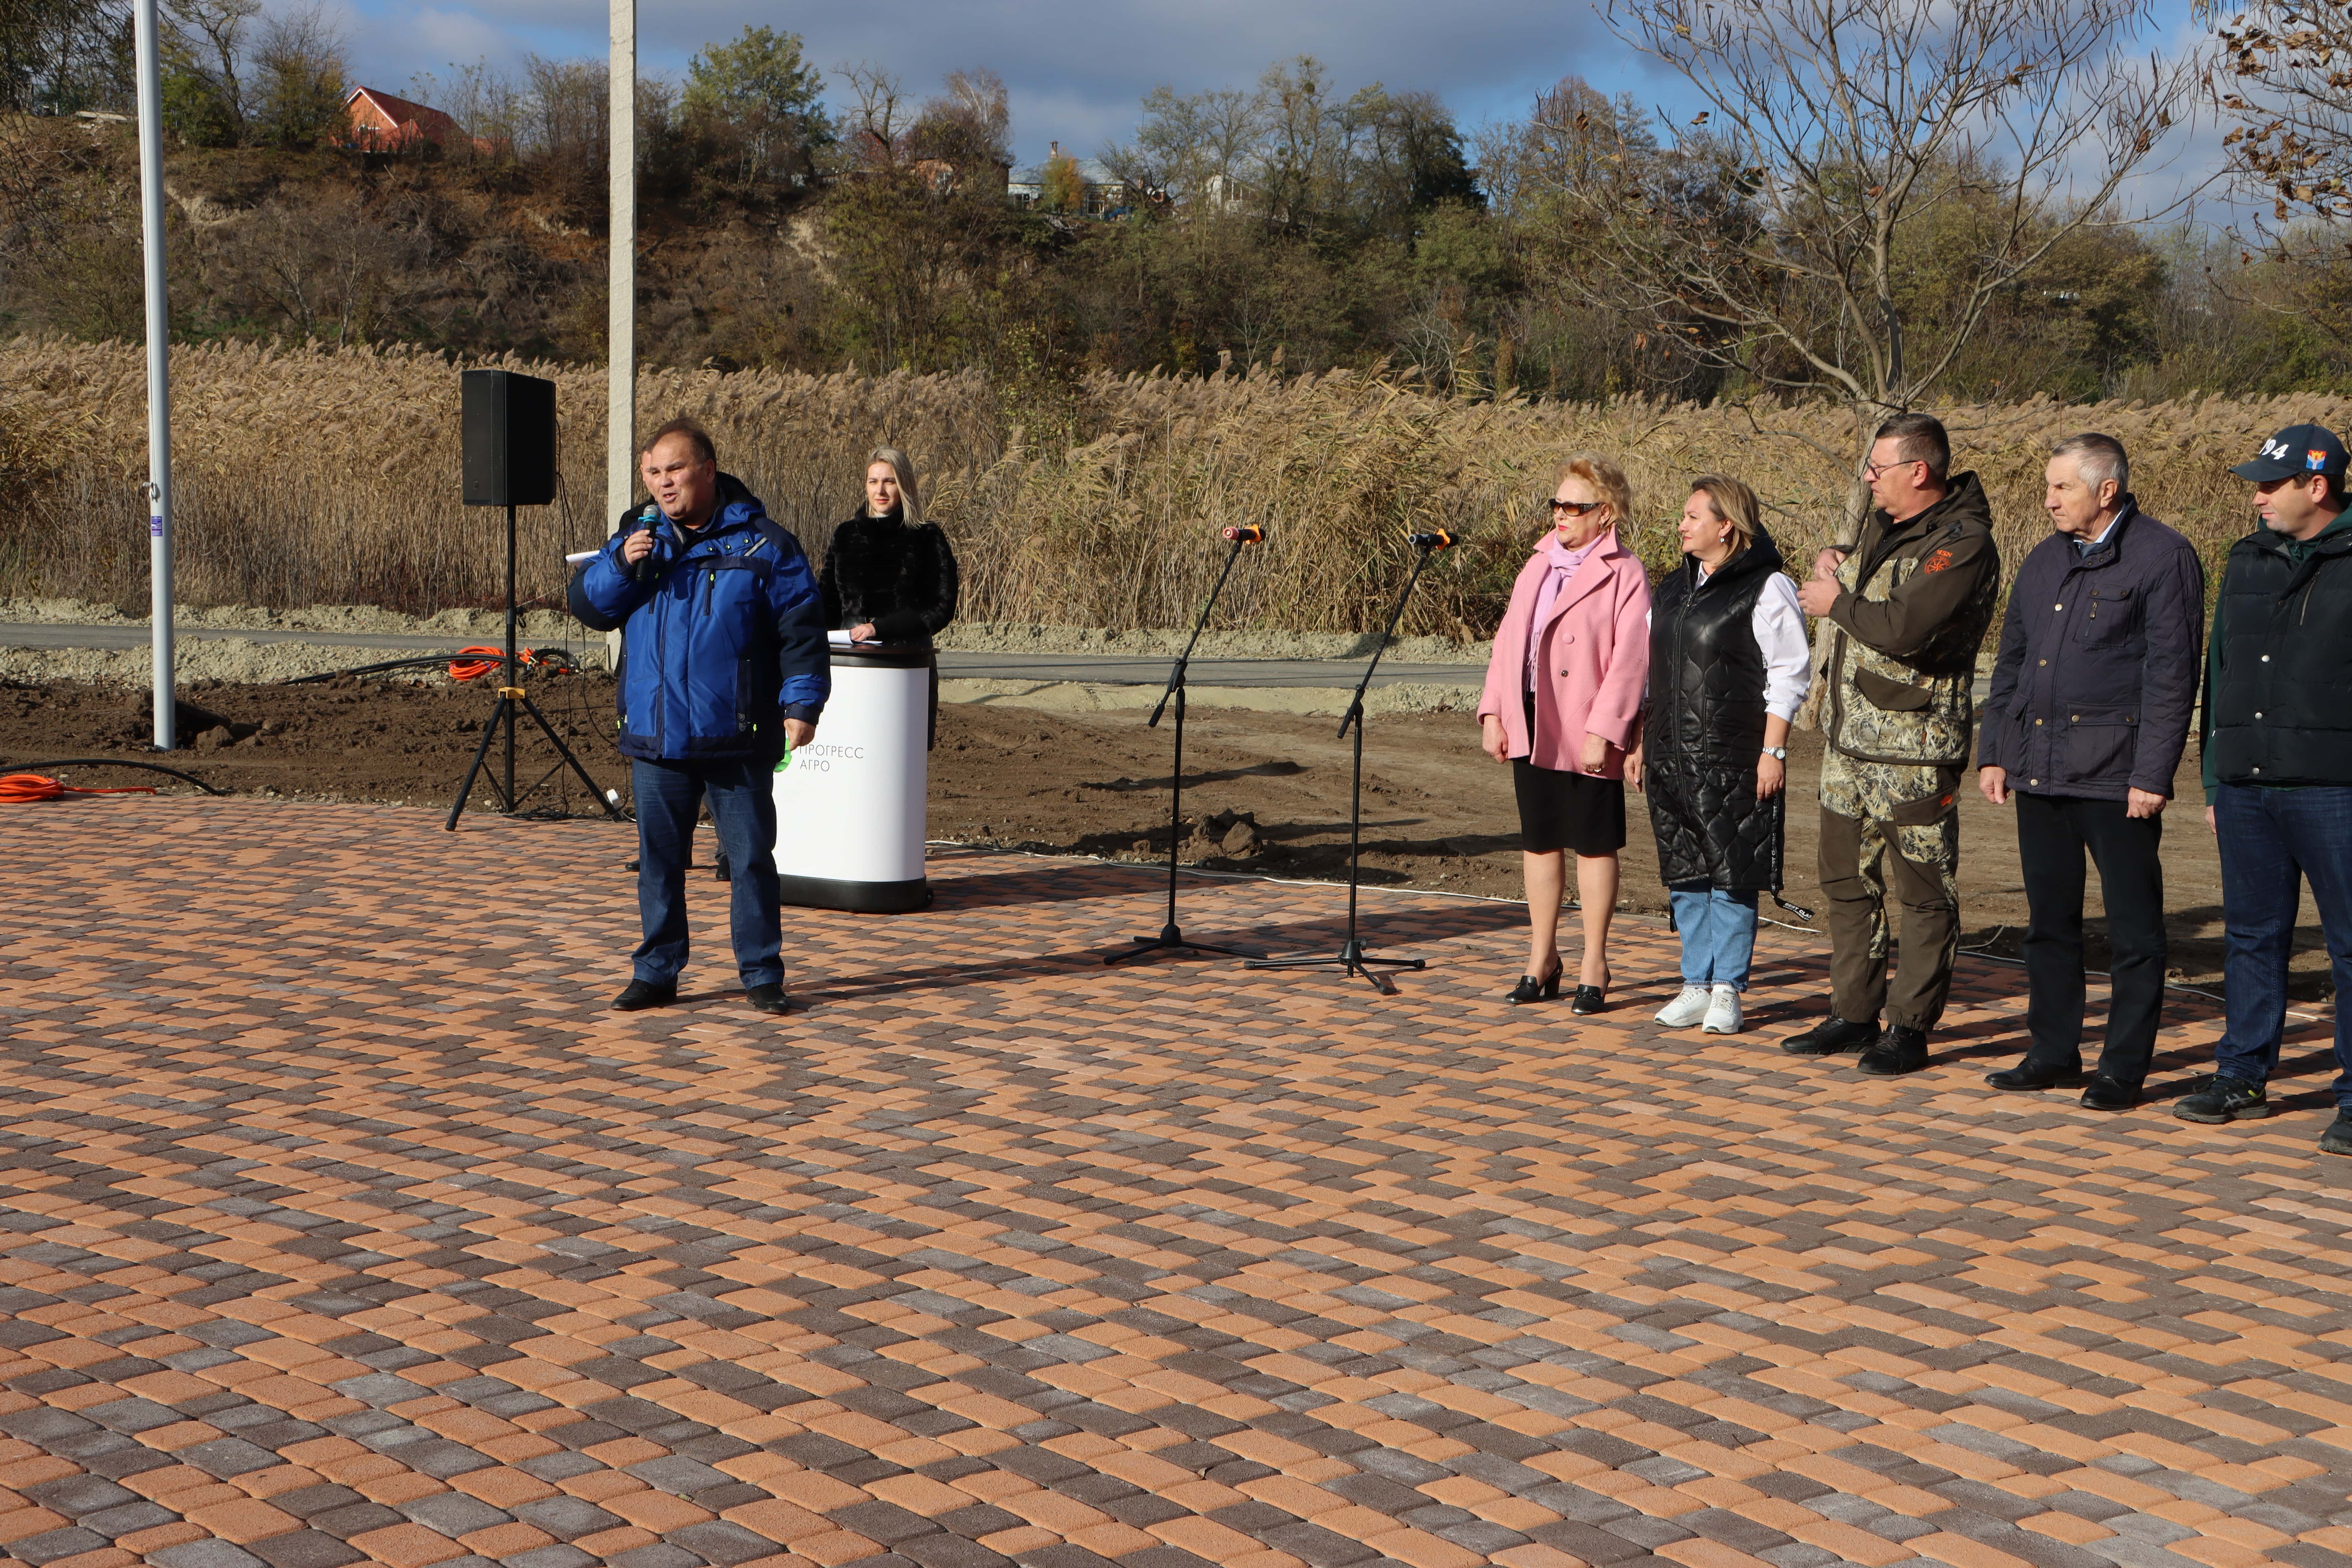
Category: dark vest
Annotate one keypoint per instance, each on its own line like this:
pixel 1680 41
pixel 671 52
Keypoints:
pixel 1705 728
pixel 2280 711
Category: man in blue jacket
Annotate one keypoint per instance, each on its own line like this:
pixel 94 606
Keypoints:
pixel 2093 691
pixel 724 668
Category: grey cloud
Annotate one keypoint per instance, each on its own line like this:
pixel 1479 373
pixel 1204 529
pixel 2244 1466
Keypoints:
pixel 1077 69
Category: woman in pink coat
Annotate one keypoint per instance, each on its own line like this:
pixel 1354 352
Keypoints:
pixel 1563 702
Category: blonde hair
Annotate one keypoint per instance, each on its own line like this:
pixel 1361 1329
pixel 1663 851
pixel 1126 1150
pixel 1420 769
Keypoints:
pixel 1605 477
pixel 910 506
pixel 1734 504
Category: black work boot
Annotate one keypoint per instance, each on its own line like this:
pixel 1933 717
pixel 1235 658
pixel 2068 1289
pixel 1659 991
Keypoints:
pixel 2224 1099
pixel 1905 1049
pixel 1832 1035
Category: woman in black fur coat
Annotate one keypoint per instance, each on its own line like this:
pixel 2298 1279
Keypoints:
pixel 888 577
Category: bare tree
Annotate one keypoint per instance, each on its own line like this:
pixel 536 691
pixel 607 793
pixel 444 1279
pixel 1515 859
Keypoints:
pixel 59 56
pixel 2285 75
pixel 1197 148
pixel 209 41
pixel 977 100
pixel 1853 183
pixel 565 118
pixel 874 125
pixel 299 70
pixel 484 102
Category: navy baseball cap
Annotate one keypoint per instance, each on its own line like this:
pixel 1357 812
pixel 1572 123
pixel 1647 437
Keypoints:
pixel 2294 452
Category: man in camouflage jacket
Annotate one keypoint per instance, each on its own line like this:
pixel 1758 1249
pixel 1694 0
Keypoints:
pixel 1910 602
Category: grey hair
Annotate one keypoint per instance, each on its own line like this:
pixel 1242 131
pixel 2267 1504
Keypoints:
pixel 2097 458
pixel 910 505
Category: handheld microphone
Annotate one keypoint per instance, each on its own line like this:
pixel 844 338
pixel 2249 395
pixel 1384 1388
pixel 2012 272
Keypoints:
pixel 1246 533
pixel 1431 539
pixel 648 520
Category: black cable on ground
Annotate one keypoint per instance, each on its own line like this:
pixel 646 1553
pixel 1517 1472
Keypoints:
pixel 386 665
pixel 119 762
pixel 552 660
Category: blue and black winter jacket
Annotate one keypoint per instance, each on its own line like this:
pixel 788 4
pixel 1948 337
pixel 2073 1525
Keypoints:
pixel 724 645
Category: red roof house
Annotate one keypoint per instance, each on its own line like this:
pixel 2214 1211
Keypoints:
pixel 383 123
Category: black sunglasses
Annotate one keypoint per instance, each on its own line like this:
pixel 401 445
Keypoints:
pixel 1577 507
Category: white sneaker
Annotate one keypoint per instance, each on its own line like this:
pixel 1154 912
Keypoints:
pixel 1686 1009
pixel 1722 1011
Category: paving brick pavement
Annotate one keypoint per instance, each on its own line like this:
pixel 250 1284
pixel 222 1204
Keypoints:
pixel 342 1224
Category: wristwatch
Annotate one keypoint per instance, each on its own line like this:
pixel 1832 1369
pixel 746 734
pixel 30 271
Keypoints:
pixel 1778 753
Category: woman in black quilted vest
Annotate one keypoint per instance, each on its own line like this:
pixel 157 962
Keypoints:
pixel 888 577
pixel 1727 670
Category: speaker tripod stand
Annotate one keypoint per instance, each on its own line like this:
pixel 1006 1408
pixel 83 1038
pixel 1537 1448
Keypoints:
pixel 514 702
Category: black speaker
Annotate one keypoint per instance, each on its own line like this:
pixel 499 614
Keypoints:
pixel 509 438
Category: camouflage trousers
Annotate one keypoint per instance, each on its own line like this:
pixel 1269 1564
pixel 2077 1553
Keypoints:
pixel 1887 825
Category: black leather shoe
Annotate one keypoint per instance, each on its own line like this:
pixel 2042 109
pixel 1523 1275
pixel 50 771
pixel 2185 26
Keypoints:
pixel 2105 1093
pixel 1531 989
pixel 640 994
pixel 1830 1037
pixel 770 998
pixel 2027 1075
pixel 1589 999
pixel 1904 1050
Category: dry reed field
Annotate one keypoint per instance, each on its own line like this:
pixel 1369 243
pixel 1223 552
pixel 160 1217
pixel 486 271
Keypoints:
pixel 308 477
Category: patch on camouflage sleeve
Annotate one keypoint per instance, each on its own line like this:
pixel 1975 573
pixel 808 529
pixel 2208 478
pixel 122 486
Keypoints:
pixel 1937 562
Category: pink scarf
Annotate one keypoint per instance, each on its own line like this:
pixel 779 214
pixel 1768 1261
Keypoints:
pixel 1562 562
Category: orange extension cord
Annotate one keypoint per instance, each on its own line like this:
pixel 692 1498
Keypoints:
pixel 488 659
pixel 16 787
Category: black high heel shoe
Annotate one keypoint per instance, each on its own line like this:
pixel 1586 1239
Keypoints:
pixel 1589 999
pixel 1530 989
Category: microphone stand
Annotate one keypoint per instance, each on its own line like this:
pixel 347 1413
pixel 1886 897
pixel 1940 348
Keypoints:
pixel 1351 958
pixel 1171 937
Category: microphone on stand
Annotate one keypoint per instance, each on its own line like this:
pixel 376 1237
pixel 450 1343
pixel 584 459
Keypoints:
pixel 1431 539
pixel 1246 533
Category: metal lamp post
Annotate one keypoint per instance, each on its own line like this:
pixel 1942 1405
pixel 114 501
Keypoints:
pixel 621 306
pixel 147 43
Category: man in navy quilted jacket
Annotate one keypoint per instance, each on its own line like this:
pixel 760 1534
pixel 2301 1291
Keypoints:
pixel 2092 696
pixel 725 666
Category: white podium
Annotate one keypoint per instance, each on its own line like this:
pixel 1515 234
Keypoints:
pixel 853 806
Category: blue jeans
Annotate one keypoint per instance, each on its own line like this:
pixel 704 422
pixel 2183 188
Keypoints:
pixel 743 805
pixel 1719 932
pixel 2271 840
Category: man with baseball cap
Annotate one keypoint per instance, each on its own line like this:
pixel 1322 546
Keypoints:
pixel 2278 763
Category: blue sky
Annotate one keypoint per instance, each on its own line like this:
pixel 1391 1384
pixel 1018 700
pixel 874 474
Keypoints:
pixel 1076 69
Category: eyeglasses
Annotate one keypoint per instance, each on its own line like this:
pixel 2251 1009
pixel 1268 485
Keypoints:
pixel 1576 508
pixel 1871 470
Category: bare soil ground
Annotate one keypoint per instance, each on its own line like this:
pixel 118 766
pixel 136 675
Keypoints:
pixel 1264 793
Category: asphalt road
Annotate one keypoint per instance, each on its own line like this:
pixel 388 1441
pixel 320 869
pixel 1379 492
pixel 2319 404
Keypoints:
pixel 1038 667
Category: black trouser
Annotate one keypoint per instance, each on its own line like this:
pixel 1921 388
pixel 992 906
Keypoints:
pixel 2053 833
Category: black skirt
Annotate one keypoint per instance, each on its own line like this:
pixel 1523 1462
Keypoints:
pixel 1575 812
